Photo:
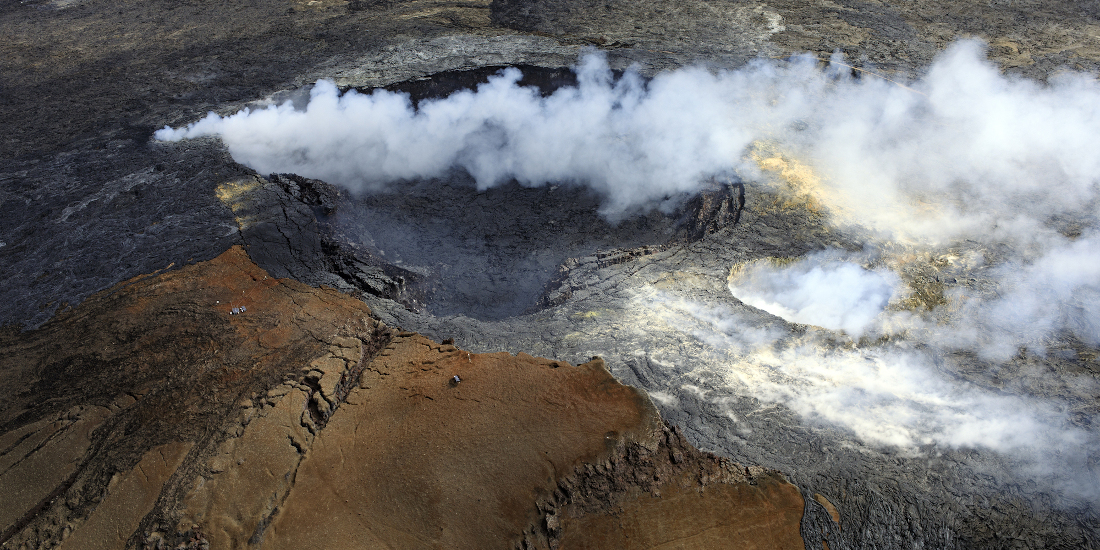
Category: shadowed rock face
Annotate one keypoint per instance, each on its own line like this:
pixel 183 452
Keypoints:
pixel 216 406
pixel 940 497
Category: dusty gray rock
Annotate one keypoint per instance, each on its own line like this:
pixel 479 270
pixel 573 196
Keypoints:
pixel 83 221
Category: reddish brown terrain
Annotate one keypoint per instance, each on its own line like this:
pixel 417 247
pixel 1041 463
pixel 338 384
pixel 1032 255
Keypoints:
pixel 153 416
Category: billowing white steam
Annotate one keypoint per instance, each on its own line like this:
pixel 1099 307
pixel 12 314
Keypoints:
pixel 886 395
pixel 892 393
pixel 978 146
pixel 633 142
pixel 1056 292
pixel 834 294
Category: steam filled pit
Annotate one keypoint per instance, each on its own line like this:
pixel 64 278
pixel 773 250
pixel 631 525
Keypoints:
pixel 490 253
pixel 867 284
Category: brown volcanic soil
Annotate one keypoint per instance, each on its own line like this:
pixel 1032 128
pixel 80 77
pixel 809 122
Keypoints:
pixel 151 416
pixel 421 460
pixel 156 360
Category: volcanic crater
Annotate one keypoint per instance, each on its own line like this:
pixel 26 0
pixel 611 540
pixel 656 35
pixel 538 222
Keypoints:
pixel 144 408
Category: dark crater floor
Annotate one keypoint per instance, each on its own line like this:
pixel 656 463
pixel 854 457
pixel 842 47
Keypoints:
pixel 493 254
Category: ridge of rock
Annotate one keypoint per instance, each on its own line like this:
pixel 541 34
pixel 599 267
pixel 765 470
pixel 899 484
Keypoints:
pixel 215 406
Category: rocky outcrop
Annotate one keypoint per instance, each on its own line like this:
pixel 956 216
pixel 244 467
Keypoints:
pixel 153 378
pixel 218 407
pixel 668 495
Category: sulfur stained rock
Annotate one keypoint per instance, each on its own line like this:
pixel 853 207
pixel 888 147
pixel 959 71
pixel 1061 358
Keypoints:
pixel 761 516
pixel 41 457
pixel 86 201
pixel 669 496
pixel 249 476
pixel 245 482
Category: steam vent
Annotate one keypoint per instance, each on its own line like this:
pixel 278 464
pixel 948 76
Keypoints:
pixel 549 275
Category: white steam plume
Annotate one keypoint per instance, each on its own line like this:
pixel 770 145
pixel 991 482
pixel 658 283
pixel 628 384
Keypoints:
pixel 1028 301
pixel 1055 293
pixel 818 290
pixel 633 142
pixel 979 148
pixel 887 395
